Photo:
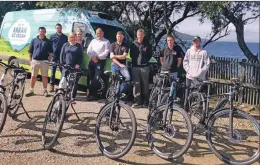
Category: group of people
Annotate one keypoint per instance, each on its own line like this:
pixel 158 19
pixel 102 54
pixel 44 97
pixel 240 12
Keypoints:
pixel 69 50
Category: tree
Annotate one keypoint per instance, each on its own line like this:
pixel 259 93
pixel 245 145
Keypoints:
pixel 151 16
pixel 223 13
pixel 7 6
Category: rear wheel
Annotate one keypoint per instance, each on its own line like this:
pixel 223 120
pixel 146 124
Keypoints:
pixel 53 122
pixel 3 111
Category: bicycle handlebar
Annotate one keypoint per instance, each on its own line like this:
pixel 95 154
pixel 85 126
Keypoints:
pixel 12 66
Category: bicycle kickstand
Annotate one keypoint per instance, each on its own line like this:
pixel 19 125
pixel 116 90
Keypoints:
pixel 71 104
pixel 21 106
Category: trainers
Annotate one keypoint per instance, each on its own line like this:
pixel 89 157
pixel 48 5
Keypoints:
pixel 30 93
pixel 145 106
pixel 92 98
pixel 45 93
pixel 51 88
pixel 136 105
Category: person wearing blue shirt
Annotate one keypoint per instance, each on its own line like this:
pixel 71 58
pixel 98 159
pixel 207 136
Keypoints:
pixel 40 51
pixel 58 40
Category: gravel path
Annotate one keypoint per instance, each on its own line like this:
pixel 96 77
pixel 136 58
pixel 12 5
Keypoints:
pixel 21 139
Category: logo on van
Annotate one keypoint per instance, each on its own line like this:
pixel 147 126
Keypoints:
pixel 19 33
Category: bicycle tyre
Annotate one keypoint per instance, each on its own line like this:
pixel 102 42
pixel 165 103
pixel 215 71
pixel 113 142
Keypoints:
pixel 12 112
pixel 185 115
pixel 51 144
pixel 133 135
pixel 221 104
pixel 3 118
pixel 222 157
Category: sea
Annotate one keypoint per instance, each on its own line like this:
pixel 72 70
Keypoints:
pixel 227 49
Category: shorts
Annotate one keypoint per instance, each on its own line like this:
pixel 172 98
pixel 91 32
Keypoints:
pixel 36 65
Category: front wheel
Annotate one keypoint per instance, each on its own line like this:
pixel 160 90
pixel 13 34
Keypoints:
pixel 115 137
pixel 239 146
pixel 3 111
pixel 53 122
pixel 173 139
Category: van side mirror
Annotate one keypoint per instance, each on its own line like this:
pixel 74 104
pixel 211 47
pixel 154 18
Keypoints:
pixel 88 39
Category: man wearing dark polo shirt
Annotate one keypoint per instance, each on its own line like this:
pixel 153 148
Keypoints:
pixel 58 40
pixel 40 51
pixel 170 57
pixel 141 53
pixel 118 53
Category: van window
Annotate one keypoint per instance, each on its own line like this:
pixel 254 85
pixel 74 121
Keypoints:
pixel 82 26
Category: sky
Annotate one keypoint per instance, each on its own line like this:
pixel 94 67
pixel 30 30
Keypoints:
pixel 193 26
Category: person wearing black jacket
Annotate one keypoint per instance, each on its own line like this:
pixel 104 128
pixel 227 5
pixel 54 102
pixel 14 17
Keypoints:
pixel 72 54
pixel 141 53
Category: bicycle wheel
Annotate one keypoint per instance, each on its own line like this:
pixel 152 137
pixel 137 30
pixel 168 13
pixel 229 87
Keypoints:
pixel 17 92
pixel 174 139
pixel 243 147
pixel 53 122
pixel 3 111
pixel 116 140
pixel 196 107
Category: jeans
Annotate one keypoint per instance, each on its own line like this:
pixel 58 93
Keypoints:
pixel 53 71
pixel 140 77
pixel 94 72
pixel 124 72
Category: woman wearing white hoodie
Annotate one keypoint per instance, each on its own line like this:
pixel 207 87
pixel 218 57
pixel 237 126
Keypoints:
pixel 196 64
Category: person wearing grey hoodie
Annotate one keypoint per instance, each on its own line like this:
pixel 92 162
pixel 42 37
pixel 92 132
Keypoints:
pixel 196 64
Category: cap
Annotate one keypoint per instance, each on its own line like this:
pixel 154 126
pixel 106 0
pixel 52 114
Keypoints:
pixel 196 38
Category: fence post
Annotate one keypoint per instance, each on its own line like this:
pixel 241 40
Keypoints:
pixel 242 78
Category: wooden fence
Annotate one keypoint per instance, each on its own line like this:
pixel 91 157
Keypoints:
pixel 223 69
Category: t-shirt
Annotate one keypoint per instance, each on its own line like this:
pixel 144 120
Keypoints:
pixel 170 60
pixel 40 49
pixel 117 49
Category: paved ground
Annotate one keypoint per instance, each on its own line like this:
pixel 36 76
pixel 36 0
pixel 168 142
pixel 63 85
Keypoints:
pixel 21 139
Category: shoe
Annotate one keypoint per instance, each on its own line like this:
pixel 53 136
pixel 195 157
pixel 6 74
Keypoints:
pixel 51 88
pixel 30 93
pixel 136 105
pixel 45 93
pixel 92 98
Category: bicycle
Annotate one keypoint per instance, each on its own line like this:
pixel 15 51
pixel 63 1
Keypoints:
pixel 159 91
pixel 59 105
pixel 226 121
pixel 171 122
pixel 10 104
pixel 113 117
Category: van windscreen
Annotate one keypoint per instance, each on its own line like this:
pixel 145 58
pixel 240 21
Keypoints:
pixel 109 31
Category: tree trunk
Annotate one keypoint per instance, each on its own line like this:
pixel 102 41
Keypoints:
pixel 241 41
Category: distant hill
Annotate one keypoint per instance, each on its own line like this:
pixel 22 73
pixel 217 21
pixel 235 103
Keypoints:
pixel 182 36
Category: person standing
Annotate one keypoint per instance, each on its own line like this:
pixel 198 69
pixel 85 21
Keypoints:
pixel 170 57
pixel 40 51
pixel 196 64
pixel 141 53
pixel 98 50
pixel 58 40
pixel 72 55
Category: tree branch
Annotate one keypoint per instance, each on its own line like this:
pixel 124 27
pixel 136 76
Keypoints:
pixel 245 21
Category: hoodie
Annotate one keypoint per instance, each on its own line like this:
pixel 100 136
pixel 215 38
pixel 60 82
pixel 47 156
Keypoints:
pixel 196 63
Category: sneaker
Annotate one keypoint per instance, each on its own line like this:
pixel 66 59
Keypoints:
pixel 30 93
pixel 51 88
pixel 136 105
pixel 45 93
